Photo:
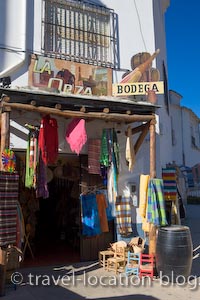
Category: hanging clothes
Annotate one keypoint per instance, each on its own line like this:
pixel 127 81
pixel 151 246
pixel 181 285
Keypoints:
pixel 32 158
pixel 48 139
pixel 156 203
pixel 90 215
pixel 123 216
pixel 76 135
pixel 130 152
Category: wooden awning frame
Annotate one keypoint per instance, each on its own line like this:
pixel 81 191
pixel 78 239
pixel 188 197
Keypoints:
pixel 90 109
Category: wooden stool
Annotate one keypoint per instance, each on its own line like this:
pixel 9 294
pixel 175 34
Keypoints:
pixel 103 256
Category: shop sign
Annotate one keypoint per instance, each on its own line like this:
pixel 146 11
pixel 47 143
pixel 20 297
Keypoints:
pixel 137 88
pixel 142 77
pixel 68 77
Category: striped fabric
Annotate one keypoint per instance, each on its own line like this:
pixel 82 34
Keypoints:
pixel 94 148
pixel 9 190
pixel 123 216
pixel 169 181
pixel 156 205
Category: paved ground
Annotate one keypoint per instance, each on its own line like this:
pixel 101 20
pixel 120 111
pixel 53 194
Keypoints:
pixel 88 281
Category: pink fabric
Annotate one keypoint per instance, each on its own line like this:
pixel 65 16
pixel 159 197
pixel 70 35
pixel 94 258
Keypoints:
pixel 76 135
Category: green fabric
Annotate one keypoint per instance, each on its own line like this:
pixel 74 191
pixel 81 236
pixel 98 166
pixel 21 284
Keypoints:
pixel 29 171
pixel 156 213
pixel 104 155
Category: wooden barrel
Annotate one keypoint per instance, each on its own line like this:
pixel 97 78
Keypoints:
pixel 174 253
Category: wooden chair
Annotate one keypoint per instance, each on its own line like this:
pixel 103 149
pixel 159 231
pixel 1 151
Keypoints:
pixel 133 264
pixel 147 262
pixel 103 257
pixel 118 261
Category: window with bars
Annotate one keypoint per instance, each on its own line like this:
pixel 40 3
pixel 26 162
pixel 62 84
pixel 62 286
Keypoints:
pixel 80 31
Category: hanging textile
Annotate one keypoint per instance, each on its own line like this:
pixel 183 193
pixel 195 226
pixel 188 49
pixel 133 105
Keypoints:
pixel 8 160
pixel 32 158
pixel 48 139
pixel 110 205
pixel 90 215
pixel 102 205
pixel 42 186
pixel 76 135
pixel 170 184
pixel 144 180
pixel 9 192
pixel 20 226
pixel 104 154
pixel 156 204
pixel 94 147
pixel 123 216
pixel 130 152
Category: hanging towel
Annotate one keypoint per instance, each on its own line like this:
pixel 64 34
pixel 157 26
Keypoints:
pixel 9 193
pixel 90 215
pixel 130 152
pixel 123 216
pixel 76 135
pixel 156 206
pixel 94 148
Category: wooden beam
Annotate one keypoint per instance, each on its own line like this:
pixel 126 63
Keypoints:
pixel 5 134
pixel 112 117
pixel 153 228
pixel 145 130
pixel 138 129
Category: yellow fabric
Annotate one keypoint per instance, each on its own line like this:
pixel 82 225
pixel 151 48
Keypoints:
pixel 144 179
pixel 130 152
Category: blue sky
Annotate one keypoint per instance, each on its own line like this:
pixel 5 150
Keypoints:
pixel 183 51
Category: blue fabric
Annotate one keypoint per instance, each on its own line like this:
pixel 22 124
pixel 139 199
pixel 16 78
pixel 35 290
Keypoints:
pixel 90 215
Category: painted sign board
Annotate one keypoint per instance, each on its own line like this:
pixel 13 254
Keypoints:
pixel 69 77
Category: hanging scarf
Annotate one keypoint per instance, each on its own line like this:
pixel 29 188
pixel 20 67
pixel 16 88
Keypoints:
pixel 32 159
pixel 76 135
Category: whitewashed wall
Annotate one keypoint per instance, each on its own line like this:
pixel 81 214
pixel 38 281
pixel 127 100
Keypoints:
pixel 141 29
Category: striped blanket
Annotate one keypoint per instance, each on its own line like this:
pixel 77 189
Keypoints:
pixel 170 185
pixel 156 205
pixel 123 216
pixel 9 190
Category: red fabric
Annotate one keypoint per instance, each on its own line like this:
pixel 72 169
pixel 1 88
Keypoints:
pixel 48 139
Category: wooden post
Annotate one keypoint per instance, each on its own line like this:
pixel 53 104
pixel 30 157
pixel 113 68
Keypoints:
pixel 152 231
pixel 5 132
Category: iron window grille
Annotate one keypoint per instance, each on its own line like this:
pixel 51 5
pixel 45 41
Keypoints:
pixel 80 31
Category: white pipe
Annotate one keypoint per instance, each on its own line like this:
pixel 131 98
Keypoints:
pixel 16 66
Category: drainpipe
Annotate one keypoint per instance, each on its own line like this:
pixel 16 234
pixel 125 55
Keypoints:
pixel 15 67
